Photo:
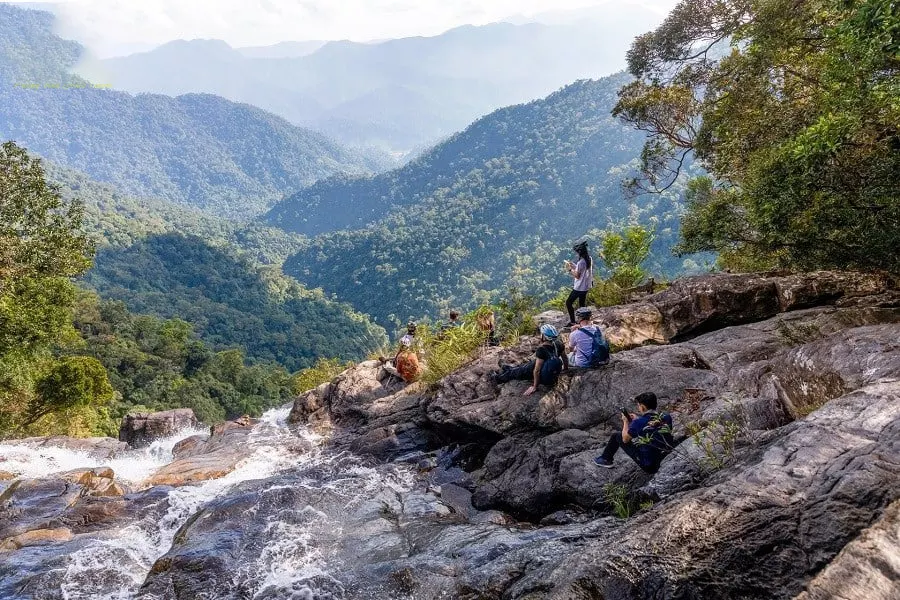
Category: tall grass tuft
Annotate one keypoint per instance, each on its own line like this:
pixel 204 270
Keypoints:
pixel 323 371
pixel 446 351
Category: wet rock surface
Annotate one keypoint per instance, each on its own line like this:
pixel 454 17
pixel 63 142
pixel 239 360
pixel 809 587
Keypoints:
pixel 199 459
pixel 785 390
pixel 141 429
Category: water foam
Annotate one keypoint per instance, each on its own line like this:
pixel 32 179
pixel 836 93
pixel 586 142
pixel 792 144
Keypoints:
pixel 114 565
pixel 34 460
pixel 124 561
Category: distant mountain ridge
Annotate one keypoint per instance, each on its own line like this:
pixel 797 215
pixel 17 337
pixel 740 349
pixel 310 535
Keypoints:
pixel 495 206
pixel 397 94
pixel 282 49
pixel 201 150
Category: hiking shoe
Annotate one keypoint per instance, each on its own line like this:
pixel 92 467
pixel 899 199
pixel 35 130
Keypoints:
pixel 602 462
pixel 498 378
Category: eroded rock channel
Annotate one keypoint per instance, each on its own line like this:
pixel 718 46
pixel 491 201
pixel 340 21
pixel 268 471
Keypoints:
pixel 785 391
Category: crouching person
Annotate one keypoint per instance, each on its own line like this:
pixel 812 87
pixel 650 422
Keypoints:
pixel 646 436
pixel 549 360
pixel 406 365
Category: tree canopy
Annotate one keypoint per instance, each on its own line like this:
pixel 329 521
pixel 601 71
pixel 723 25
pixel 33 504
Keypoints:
pixel 41 248
pixel 793 107
pixel 494 207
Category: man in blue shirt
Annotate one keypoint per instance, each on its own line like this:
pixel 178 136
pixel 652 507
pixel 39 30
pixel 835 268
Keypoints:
pixel 646 437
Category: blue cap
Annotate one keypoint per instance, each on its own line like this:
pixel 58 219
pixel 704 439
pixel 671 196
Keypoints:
pixel 549 331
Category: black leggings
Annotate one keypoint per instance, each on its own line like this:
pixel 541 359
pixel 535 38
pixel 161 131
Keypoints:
pixel 570 303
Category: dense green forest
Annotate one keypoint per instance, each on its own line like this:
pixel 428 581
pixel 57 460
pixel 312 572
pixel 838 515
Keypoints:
pixel 230 302
pixel 793 108
pixel 158 364
pixel 230 159
pixel 221 276
pixel 494 207
pixel 113 218
pixel 73 363
pixel 536 143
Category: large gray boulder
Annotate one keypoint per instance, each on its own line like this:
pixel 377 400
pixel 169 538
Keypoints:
pixel 142 428
pixel 792 504
pixel 368 413
pixel 804 368
pixel 868 567
pixel 539 449
pixel 695 305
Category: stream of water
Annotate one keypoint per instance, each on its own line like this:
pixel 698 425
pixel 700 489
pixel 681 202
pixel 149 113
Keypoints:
pixel 115 563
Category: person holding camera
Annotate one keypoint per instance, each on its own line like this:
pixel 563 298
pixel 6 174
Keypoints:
pixel 583 273
pixel 646 436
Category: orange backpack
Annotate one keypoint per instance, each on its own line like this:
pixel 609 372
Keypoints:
pixel 407 365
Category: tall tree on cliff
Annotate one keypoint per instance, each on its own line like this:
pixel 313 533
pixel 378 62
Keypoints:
pixel 41 249
pixel 793 107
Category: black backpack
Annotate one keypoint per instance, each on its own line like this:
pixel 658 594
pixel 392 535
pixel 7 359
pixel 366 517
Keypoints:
pixel 552 367
pixel 657 434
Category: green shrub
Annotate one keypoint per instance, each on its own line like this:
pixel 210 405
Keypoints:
pixel 605 293
pixel 323 371
pixel 448 350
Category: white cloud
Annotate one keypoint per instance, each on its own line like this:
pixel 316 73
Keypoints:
pixel 113 26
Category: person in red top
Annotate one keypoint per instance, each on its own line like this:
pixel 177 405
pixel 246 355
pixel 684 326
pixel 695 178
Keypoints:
pixel 408 366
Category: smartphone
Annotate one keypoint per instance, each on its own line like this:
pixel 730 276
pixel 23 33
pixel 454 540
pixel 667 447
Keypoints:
pixel 626 413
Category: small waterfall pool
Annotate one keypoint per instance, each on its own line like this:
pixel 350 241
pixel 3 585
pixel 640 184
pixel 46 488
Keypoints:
pixel 114 564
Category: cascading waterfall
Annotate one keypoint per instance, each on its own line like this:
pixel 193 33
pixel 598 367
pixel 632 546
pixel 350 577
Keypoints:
pixel 32 460
pixel 114 564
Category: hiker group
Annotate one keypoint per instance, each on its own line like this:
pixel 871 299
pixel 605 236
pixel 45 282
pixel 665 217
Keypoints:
pixel 645 436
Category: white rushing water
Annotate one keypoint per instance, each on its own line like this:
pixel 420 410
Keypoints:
pixel 33 460
pixel 115 563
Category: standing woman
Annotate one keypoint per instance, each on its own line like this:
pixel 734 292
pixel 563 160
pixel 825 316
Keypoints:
pixel 583 273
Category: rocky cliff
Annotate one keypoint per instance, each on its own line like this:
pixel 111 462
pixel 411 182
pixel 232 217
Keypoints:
pixel 785 390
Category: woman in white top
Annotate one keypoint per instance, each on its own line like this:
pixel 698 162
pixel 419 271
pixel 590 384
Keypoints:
pixel 583 273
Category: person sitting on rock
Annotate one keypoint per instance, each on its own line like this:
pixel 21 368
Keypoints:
pixel 453 322
pixel 589 348
pixel 549 360
pixel 406 364
pixel 646 437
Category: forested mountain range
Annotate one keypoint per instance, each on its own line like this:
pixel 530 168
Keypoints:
pixel 220 276
pixel 231 159
pixel 397 94
pixel 495 206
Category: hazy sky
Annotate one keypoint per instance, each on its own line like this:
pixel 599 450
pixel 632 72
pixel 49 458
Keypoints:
pixel 115 26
